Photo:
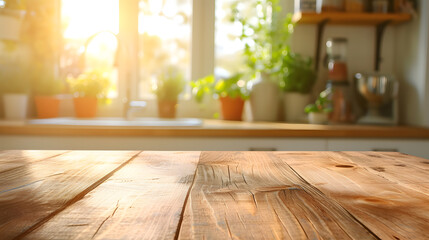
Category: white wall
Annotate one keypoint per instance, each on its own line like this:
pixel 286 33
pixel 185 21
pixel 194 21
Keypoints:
pixel 361 48
pixel 412 67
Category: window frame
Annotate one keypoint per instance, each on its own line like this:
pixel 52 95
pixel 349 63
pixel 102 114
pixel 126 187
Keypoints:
pixel 202 50
pixel 202 44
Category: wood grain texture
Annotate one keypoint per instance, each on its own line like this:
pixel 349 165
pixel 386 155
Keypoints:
pixel 219 128
pixel 256 195
pixel 36 190
pixel 387 192
pixel 13 159
pixel 143 200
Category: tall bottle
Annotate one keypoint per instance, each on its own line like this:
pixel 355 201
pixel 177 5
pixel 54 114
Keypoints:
pixel 341 95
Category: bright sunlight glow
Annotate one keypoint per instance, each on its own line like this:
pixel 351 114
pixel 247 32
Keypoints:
pixel 83 18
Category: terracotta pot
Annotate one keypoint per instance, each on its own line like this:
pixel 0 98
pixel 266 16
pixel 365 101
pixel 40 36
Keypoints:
pixel 232 108
pixel 167 109
pixel 85 107
pixel 47 106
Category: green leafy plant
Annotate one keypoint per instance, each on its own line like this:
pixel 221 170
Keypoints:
pixel 202 87
pixel 265 33
pixel 232 87
pixel 170 83
pixel 94 83
pixel 322 104
pixel 13 79
pixel 14 4
pixel 48 86
pixel 298 74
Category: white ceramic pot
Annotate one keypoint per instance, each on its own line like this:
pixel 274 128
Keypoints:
pixel 264 99
pixel 294 104
pixel 15 106
pixel 317 118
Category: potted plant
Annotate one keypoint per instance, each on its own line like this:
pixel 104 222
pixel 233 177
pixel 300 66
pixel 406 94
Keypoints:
pixel 46 100
pixel 232 93
pixel 265 34
pixel 170 83
pixel 318 111
pixel 297 81
pixel 88 88
pixel 15 88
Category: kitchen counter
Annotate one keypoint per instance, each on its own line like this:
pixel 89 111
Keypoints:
pixel 212 195
pixel 219 128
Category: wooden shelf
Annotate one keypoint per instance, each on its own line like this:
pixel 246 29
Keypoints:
pixel 351 18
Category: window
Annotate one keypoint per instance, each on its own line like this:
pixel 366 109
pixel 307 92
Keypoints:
pixel 164 39
pixel 228 46
pixel 184 33
pixel 89 30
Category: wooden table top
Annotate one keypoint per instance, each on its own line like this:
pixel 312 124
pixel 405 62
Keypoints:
pixel 213 195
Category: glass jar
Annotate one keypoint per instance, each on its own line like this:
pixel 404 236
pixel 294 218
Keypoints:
pixel 305 5
pixel 330 5
pixel 380 6
pixel 341 102
pixel 336 49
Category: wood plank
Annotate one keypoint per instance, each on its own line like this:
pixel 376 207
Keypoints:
pixel 143 200
pixel 256 195
pixel 377 188
pixel 15 158
pixel 32 193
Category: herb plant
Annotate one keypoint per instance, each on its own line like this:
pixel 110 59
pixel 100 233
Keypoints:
pixel 170 83
pixel 94 83
pixel 232 87
pixel 265 33
pixel 322 104
pixel 298 74
pixel 13 79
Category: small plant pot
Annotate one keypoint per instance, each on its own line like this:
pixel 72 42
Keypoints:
pixel 294 104
pixel 85 107
pixel 232 108
pixel 167 109
pixel 15 106
pixel 47 106
pixel 317 118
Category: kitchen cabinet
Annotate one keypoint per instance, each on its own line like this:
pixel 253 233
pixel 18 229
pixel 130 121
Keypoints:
pixel 416 147
pixel 408 146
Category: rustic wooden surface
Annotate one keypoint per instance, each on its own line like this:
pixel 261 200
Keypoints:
pixel 213 195
pixel 220 128
pixel 387 192
pixel 143 200
pixel 249 195
pixel 41 187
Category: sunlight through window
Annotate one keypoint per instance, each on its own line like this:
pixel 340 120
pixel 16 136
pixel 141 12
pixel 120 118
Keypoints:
pixel 164 39
pixel 89 29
